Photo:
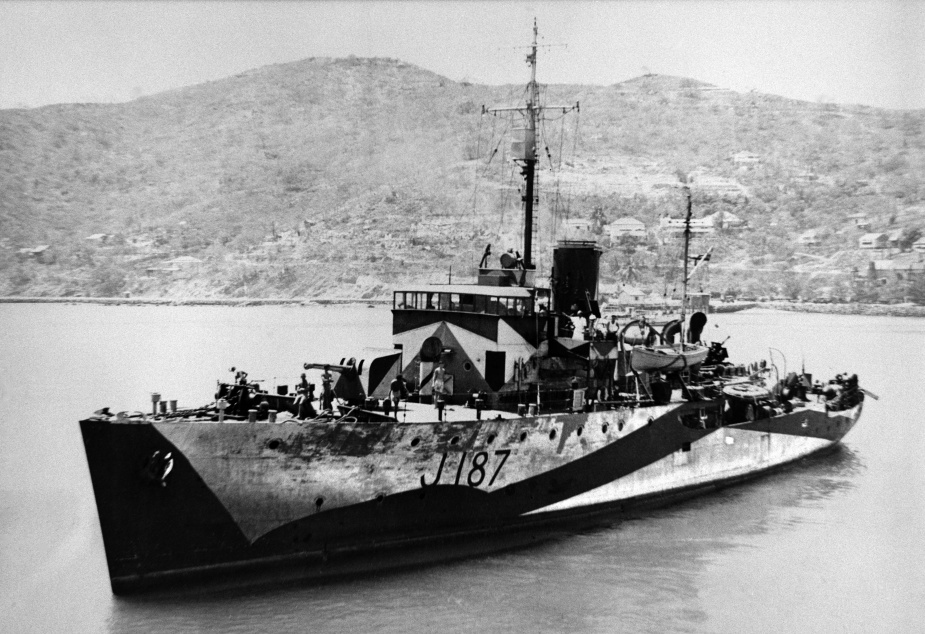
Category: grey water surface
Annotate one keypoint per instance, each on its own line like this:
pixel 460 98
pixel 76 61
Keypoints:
pixel 831 544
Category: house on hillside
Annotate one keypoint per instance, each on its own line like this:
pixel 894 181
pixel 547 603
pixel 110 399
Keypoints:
pixel 101 238
pixel 629 295
pixel 726 220
pixel 184 260
pixel 873 241
pixel 745 159
pixel 806 177
pixel 809 238
pixel 893 238
pixel 899 269
pixel 39 253
pixel 919 245
pixel 625 227
pixel 860 221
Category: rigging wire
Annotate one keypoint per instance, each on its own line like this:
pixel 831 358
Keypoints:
pixel 568 197
pixel 478 156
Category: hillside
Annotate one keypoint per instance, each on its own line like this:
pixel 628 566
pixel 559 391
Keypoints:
pixel 342 177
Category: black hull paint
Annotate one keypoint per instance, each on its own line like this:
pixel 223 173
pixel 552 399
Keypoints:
pixel 316 566
pixel 156 538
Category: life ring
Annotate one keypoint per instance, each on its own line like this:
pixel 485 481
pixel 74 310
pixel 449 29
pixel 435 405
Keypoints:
pixel 747 391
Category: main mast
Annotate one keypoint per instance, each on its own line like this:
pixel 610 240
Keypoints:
pixel 525 152
pixel 529 158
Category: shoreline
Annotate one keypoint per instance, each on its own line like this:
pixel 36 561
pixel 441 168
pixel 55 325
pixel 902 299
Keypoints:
pixel 884 310
pixel 192 301
pixel 888 310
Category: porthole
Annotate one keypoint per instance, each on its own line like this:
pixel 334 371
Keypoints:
pixel 552 434
pixel 490 439
pixel 274 444
pixel 620 426
pixel 415 441
pixel 454 440
pixel 604 428
pixel 467 366
pixel 579 430
pixel 319 502
pixel 380 498
pixel 523 436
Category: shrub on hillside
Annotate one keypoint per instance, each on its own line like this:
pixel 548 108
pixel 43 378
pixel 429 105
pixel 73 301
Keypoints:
pixel 108 280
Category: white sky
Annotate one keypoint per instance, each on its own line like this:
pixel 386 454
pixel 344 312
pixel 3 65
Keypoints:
pixel 845 51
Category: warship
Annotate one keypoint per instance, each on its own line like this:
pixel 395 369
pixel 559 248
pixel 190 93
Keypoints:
pixel 495 414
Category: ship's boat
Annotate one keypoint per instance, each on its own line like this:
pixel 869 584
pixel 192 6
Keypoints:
pixel 667 358
pixel 488 418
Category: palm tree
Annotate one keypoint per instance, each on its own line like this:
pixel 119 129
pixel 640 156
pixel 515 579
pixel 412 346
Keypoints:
pixel 628 273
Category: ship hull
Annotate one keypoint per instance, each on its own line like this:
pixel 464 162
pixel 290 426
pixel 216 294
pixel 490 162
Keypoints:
pixel 311 500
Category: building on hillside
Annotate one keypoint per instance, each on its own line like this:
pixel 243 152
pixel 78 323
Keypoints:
pixel 860 221
pixel 629 295
pixel 745 159
pixel 102 238
pixel 726 220
pixel 893 238
pixel 39 253
pixel 873 241
pixel 184 260
pixel 919 245
pixel 809 238
pixel 806 177
pixel 625 227
pixel 899 269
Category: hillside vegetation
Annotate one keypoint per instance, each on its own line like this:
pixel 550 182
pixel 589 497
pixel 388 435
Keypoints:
pixel 345 177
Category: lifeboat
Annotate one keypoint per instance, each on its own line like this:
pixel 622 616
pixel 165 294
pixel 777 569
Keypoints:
pixel 667 358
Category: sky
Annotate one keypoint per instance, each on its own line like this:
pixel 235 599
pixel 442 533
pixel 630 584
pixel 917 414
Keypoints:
pixel 852 52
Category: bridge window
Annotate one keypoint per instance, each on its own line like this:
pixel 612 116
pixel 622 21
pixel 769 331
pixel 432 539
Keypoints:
pixel 468 303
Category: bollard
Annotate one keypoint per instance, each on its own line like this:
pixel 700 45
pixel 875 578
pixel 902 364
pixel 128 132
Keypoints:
pixel 479 405
pixel 173 406
pixel 521 409
pixel 163 407
pixel 251 416
pixel 532 409
pixel 272 418
pixel 155 397
pixel 222 405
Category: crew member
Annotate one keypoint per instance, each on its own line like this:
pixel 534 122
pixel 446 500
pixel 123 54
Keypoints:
pixel 397 390
pixel 439 382
pixel 327 392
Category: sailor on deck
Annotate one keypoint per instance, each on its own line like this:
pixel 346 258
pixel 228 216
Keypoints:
pixel 327 392
pixel 397 390
pixel 439 382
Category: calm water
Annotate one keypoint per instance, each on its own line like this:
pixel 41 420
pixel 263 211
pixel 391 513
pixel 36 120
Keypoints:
pixel 831 544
